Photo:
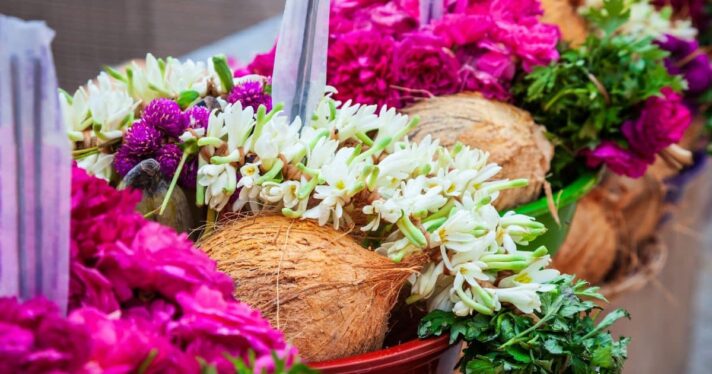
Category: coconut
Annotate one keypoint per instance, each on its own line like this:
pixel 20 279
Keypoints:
pixel 331 297
pixel 590 248
pixel 508 133
pixel 563 13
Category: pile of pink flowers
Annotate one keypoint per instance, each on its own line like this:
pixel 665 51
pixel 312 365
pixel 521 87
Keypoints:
pixel 380 54
pixel 142 299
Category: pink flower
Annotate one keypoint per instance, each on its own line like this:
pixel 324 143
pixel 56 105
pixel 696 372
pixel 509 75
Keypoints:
pixel 35 338
pixel 122 346
pixel 424 65
pixel 533 42
pixel 359 66
pixel 161 261
pixel 662 122
pixel 488 70
pixel 462 29
pixel 88 287
pixel 262 64
pixel 212 325
pixel 620 161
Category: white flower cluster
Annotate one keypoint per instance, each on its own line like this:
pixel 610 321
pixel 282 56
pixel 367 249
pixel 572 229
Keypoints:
pixel 351 162
pixel 647 21
pixel 102 110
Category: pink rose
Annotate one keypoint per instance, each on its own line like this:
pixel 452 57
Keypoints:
pixel 662 122
pixel 359 66
pixel 425 66
pixel 620 161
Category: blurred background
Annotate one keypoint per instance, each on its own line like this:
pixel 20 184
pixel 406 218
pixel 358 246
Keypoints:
pixel 93 33
pixel 671 326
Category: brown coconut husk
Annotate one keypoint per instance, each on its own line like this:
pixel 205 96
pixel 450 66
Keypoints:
pixel 330 296
pixel 591 245
pixel 564 13
pixel 508 133
pixel 635 266
pixel 640 201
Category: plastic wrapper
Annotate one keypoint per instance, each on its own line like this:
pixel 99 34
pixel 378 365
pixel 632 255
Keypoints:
pixel 35 167
pixel 299 76
pixel 431 10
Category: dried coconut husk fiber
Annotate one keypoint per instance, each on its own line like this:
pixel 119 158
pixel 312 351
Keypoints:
pixel 508 133
pixel 590 248
pixel 331 297
pixel 564 13
pixel 635 266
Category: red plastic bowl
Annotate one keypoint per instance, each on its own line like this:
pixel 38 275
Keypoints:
pixel 432 355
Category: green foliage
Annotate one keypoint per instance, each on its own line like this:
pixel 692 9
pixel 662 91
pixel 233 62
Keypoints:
pixel 592 90
pixel 562 338
pixel 242 367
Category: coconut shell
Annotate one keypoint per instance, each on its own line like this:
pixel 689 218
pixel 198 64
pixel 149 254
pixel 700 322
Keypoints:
pixel 331 297
pixel 508 133
pixel 590 248
pixel 563 13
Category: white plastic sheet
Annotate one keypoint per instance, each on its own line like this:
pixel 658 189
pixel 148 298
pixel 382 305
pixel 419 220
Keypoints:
pixel 430 10
pixel 35 167
pixel 299 76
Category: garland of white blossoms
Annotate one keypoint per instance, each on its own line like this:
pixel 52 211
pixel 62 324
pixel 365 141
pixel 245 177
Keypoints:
pixel 103 109
pixel 419 196
pixel 348 163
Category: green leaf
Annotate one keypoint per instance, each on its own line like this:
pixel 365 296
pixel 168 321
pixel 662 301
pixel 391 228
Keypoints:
pixel 224 72
pixel 613 15
pixel 602 357
pixel 519 354
pixel 480 366
pixel 553 346
pixel 186 98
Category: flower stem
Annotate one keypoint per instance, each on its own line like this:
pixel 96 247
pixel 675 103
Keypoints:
pixel 174 181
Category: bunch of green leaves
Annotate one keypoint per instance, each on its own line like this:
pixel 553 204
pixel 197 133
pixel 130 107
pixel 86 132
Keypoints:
pixel 593 89
pixel 563 338
pixel 247 366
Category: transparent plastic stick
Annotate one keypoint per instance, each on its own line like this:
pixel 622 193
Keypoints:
pixel 35 167
pixel 430 10
pixel 299 76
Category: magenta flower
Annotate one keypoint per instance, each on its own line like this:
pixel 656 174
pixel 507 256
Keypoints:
pixel 463 29
pixel 425 66
pixel 250 94
pixel 189 175
pixel 169 157
pixel 142 139
pixel 688 60
pixel 662 122
pixel 160 261
pixel 124 161
pixel 262 64
pixel 619 160
pixel 359 66
pixel 488 70
pixel 165 115
pixel 123 345
pixel 88 287
pixel 35 338
pixel 212 325
pixel 196 117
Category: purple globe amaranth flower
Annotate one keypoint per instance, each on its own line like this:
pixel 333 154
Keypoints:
pixel 169 157
pixel 688 60
pixel 142 139
pixel 165 114
pixel 124 161
pixel 619 160
pixel 662 122
pixel 196 117
pixel 423 64
pixel 35 338
pixel 250 94
pixel 189 175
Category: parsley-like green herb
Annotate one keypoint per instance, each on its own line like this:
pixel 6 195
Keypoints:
pixel 593 89
pixel 563 338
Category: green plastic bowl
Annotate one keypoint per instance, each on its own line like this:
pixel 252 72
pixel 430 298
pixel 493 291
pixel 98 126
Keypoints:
pixel 565 201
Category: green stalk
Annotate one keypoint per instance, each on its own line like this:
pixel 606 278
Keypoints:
pixel 174 181
pixel 411 232
pixel 442 212
pixel 276 168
